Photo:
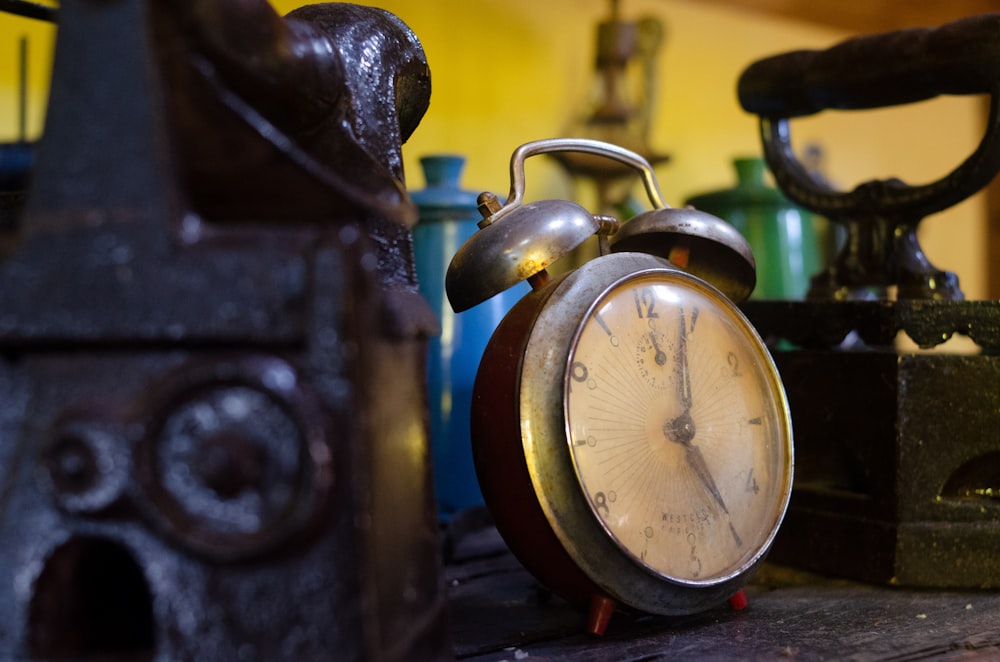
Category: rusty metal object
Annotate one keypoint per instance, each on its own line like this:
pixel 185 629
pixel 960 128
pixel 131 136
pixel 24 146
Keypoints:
pixel 29 9
pixel 881 217
pixel 16 158
pixel 897 453
pixel 212 443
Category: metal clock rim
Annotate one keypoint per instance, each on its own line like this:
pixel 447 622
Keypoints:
pixel 551 469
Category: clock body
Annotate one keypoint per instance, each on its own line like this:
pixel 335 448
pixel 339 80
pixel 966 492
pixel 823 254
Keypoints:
pixel 632 438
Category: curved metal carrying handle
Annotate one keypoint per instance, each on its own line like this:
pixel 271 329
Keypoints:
pixel 517 242
pixel 890 198
pixel 587 146
pixel 873 71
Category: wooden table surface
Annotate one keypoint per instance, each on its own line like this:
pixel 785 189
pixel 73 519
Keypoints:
pixel 499 612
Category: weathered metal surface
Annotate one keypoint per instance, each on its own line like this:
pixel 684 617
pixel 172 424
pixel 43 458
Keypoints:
pixel 881 217
pixel 898 455
pixel 212 442
pixel 11 205
pixel 29 9
pixel 898 467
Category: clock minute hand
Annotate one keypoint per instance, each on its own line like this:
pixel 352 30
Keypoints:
pixel 683 373
pixel 681 429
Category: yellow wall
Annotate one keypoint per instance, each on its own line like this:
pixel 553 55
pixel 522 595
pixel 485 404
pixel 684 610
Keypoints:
pixel 40 36
pixel 508 71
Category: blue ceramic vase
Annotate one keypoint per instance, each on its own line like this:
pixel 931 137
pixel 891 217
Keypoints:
pixel 449 216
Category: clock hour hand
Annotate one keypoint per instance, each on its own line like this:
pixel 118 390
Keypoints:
pixel 695 460
pixel 661 357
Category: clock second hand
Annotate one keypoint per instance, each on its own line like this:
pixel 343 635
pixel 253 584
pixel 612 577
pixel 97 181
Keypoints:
pixel 681 429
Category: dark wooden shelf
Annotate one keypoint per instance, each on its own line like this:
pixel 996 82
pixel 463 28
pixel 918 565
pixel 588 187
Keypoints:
pixel 499 612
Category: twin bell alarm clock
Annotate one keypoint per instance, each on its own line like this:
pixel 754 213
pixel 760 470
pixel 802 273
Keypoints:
pixel 630 433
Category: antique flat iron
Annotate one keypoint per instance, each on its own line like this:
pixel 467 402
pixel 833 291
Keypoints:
pixel 898 456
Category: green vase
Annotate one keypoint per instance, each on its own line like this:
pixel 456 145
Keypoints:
pixel 786 239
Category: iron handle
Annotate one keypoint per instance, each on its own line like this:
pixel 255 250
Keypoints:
pixel 873 71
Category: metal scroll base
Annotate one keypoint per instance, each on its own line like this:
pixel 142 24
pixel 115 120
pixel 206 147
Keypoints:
pixel 832 324
pixel 897 454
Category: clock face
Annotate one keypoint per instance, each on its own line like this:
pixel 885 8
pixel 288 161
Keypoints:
pixel 676 426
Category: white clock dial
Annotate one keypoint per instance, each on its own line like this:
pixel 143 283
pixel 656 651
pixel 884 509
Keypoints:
pixel 673 420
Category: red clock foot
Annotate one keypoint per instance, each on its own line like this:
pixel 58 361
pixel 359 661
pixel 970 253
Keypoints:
pixel 601 609
pixel 739 600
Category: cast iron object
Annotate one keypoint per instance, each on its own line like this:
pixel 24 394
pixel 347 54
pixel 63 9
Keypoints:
pixel 897 471
pixel 827 324
pixel 212 438
pixel 881 216
pixel 897 453
pixel 29 9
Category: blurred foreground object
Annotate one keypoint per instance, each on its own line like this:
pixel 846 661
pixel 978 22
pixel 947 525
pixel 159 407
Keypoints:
pixel 214 440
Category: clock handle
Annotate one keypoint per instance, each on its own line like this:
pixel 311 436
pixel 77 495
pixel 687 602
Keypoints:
pixel 517 242
pixel 586 146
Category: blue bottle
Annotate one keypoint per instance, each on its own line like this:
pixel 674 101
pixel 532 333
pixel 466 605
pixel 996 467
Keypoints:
pixel 448 217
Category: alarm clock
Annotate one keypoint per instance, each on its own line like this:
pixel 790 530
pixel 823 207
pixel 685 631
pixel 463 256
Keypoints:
pixel 630 433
